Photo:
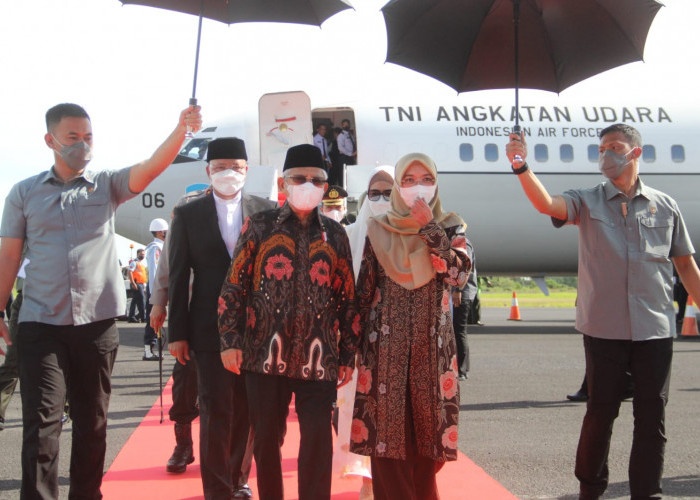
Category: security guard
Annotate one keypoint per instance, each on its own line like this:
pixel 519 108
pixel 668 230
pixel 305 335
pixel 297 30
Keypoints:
pixel 334 204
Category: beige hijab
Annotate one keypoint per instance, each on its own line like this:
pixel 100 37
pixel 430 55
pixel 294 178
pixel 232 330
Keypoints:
pixel 400 251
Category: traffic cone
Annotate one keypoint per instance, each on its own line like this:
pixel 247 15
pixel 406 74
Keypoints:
pixel 514 309
pixel 690 322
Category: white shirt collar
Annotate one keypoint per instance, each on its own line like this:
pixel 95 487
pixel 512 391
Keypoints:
pixel 228 203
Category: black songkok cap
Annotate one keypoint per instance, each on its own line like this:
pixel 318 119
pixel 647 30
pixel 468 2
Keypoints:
pixel 226 148
pixel 304 155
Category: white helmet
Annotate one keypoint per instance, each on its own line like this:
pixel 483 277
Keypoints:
pixel 158 225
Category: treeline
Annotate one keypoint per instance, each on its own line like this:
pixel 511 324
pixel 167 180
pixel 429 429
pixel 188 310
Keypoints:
pixel 526 284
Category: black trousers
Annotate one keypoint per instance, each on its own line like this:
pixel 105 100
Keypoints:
pixel 184 409
pixel 55 362
pixel 224 428
pixel 410 479
pixel 475 311
pixel 149 334
pixel 138 300
pixel 607 362
pixel 460 319
pixel 269 397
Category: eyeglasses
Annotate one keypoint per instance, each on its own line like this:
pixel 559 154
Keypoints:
pixel 374 194
pixel 298 180
pixel 427 180
pixel 221 167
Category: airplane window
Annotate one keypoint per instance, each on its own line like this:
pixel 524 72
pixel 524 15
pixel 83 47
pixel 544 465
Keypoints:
pixel 593 153
pixel 491 152
pixel 566 153
pixel 649 153
pixel 541 152
pixel 466 152
pixel 677 153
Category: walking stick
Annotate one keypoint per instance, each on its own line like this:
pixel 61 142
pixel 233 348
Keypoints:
pixel 160 368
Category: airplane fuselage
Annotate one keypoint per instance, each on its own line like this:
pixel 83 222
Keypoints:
pixel 467 138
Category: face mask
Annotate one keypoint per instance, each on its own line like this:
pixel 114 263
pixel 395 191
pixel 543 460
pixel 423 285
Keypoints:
pixel 412 193
pixel 612 164
pixel 227 182
pixel 77 155
pixel 379 207
pixel 305 196
pixel 336 215
pixel 140 257
pixel 347 128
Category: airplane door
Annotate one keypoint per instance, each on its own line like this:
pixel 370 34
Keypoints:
pixel 285 121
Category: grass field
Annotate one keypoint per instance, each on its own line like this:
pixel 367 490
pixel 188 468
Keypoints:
pixel 528 299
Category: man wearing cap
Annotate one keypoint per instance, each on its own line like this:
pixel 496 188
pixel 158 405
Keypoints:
pixel 347 145
pixel 288 320
pixel 158 228
pixel 203 234
pixel 334 204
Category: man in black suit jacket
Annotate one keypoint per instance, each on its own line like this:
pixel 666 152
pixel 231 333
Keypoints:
pixel 203 235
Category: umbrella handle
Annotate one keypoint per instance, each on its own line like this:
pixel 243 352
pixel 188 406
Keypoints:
pixel 190 131
pixel 516 130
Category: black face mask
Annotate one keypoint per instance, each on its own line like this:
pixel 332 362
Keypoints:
pixel 141 257
pixel 347 128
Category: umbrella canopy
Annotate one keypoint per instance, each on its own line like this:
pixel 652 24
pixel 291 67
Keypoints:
pixel 311 12
pixel 472 44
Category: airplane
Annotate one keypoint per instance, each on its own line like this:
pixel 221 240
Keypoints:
pixel 466 136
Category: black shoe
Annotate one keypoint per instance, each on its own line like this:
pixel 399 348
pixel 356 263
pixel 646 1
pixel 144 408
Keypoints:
pixel 2 423
pixel 153 357
pixel 463 377
pixel 132 320
pixel 182 454
pixel 243 492
pixel 577 396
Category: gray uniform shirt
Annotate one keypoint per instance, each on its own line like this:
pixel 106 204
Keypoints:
pixel 625 270
pixel 73 277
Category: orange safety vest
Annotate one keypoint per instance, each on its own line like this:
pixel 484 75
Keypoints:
pixel 139 273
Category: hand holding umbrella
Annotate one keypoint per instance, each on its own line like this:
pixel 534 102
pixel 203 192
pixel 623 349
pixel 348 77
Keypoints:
pixel 516 150
pixel 191 119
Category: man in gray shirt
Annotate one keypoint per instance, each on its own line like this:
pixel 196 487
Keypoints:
pixel 73 290
pixel 630 237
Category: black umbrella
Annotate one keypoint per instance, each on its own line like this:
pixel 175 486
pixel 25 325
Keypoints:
pixel 311 12
pixel 536 44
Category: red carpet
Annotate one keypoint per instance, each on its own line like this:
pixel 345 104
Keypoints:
pixel 138 471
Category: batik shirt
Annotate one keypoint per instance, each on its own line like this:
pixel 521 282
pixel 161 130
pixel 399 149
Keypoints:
pixel 407 387
pixel 289 298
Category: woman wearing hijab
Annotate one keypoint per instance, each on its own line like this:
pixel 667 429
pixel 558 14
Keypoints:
pixel 375 204
pixel 407 400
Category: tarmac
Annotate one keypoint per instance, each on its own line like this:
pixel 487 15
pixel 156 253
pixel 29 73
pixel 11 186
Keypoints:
pixel 515 420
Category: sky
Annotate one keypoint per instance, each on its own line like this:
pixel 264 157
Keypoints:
pixel 131 67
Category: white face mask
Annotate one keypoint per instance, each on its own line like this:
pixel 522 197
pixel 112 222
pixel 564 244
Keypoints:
pixel 227 182
pixel 304 197
pixel 379 207
pixel 412 193
pixel 336 215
